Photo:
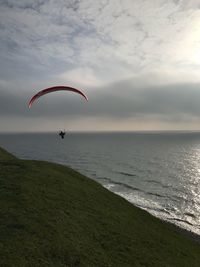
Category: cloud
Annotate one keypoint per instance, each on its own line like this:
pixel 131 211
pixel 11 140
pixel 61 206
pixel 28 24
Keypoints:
pixel 136 59
pixel 113 38
pixel 81 77
pixel 193 4
pixel 127 104
pixel 124 99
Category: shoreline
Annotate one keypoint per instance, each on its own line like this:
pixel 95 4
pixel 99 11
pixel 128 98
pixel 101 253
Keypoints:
pixel 175 227
pixel 53 214
pixel 185 232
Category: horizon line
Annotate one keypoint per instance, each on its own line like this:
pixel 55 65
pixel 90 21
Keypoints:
pixel 103 131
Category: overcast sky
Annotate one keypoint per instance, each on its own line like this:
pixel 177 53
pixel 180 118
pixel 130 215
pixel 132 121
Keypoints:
pixel 137 60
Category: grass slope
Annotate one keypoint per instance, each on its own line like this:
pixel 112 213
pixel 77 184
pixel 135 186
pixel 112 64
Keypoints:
pixel 51 215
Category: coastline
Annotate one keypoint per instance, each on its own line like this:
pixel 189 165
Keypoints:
pixel 192 235
pixel 189 234
pixel 54 215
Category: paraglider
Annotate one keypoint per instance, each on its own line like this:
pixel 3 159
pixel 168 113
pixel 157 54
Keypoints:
pixel 54 89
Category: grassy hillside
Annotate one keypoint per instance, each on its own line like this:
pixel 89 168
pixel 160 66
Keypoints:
pixel 50 215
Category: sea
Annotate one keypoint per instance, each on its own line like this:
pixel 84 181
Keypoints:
pixel 156 171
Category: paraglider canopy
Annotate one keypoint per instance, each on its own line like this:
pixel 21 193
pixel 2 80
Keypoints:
pixel 54 89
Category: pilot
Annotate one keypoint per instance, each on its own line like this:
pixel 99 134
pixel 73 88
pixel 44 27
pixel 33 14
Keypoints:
pixel 62 134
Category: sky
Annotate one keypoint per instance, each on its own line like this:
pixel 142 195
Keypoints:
pixel 138 61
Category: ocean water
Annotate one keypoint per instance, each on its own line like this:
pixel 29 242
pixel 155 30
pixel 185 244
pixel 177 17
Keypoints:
pixel 158 172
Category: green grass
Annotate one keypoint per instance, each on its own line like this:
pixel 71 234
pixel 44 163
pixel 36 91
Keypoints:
pixel 51 215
